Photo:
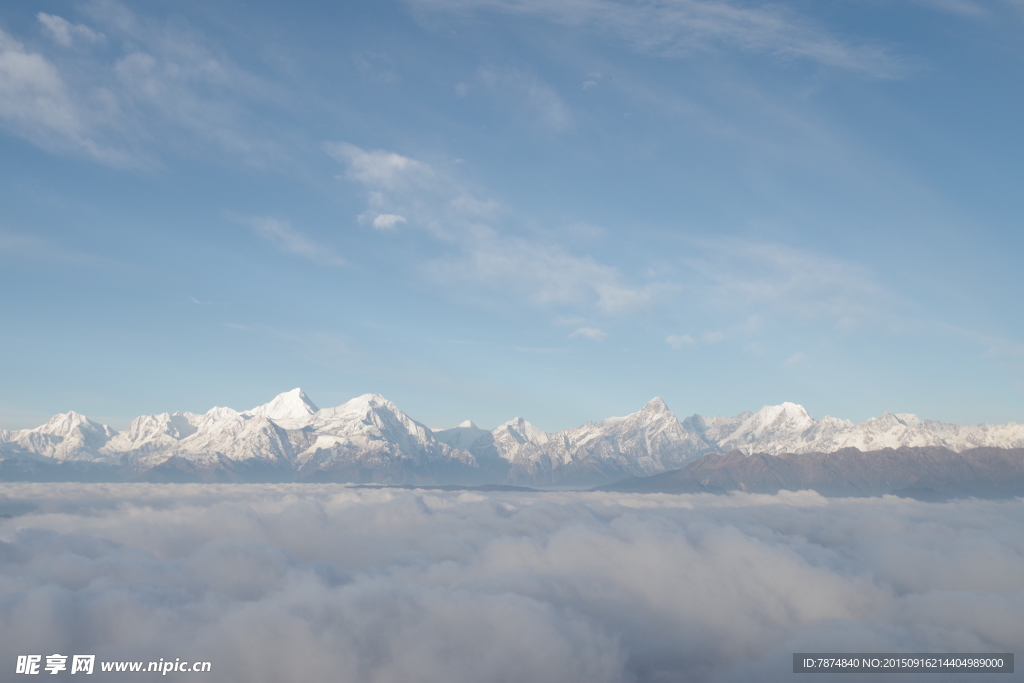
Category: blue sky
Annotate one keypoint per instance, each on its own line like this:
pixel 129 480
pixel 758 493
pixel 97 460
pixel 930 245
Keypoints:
pixel 490 208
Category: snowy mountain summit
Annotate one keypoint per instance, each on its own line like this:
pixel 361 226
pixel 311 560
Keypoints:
pixel 291 406
pixel 369 439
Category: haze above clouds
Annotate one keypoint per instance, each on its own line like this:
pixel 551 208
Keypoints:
pixel 305 582
pixel 487 208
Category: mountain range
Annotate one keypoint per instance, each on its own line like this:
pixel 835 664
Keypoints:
pixel 370 440
pixel 930 473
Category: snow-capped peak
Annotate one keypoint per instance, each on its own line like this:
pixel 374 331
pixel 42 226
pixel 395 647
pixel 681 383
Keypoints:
pixel 468 424
pixel 770 422
pixel 64 424
pixel 655 405
pixel 787 416
pixel 521 431
pixel 290 406
pixel 366 402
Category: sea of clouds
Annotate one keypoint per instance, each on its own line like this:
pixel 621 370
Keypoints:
pixel 331 583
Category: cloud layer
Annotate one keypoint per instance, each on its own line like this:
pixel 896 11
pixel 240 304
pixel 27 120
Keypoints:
pixel 275 583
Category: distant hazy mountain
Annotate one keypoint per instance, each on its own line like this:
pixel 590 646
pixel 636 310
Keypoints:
pixel 930 473
pixel 370 440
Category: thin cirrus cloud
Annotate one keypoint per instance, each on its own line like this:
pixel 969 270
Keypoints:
pixel 324 582
pixel 675 28
pixel 37 104
pixel 160 88
pixel 545 105
pixel 66 34
pixel 479 252
pixel 292 241
pixel 679 341
pixel 748 276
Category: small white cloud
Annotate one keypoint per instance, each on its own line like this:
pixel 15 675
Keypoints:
pixel 377 167
pixel 64 33
pixel 678 341
pixel 387 221
pixel 795 358
pixel 590 333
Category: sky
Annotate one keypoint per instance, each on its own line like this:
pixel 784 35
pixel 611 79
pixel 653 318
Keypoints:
pixel 490 208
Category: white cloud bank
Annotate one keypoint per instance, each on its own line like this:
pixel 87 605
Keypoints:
pixel 305 582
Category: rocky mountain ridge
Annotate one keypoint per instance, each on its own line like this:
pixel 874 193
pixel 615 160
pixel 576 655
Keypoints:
pixel 370 440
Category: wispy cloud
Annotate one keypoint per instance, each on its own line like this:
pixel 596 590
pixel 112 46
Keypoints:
pixel 32 248
pixel 590 333
pixel 545 273
pixel 760 277
pixel 542 271
pixel 961 7
pixel 293 241
pixel 37 103
pixel 157 86
pixel 795 359
pixel 540 100
pixel 674 28
pixel 679 341
pixel 65 34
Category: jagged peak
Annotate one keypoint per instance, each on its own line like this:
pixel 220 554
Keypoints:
pixel 62 422
pixel 468 424
pixel 289 405
pixel 655 405
pixel 522 431
pixel 515 422
pixel 69 417
pixel 221 412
